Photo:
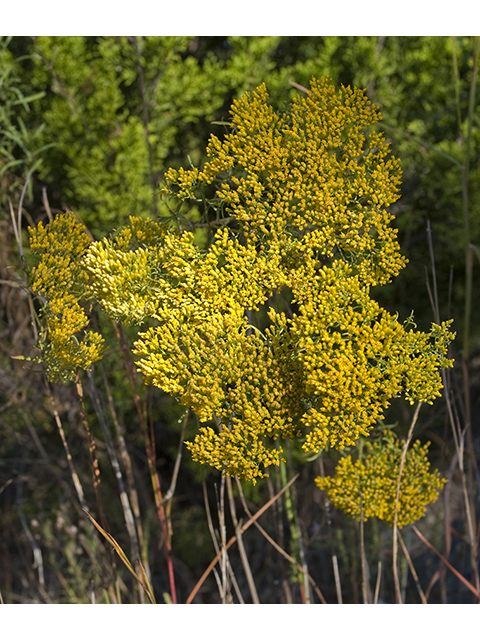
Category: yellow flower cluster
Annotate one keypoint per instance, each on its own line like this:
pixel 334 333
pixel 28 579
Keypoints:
pixel 59 279
pixel 306 192
pixel 370 485
pixel 353 357
pixel 311 171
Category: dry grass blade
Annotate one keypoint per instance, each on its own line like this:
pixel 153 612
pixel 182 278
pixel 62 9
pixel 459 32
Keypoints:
pixel 146 584
pixel 468 584
pixel 143 580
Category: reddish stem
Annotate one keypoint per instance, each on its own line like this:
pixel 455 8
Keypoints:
pixel 161 515
pixel 150 449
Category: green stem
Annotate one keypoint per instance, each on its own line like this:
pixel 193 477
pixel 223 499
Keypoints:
pixel 294 529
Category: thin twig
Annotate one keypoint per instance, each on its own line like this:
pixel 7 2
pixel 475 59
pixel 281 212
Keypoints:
pixel 467 148
pixel 377 585
pixel 241 546
pixel 468 584
pixel 178 459
pixel 46 204
pixel 279 548
pixel 262 510
pixel 338 585
pixel 212 532
pixel 127 464
pixel 112 454
pixel 150 450
pixel 216 547
pixel 294 528
pixel 412 568
pixel 398 595
pixel 365 577
pixel 76 481
pixel 458 434
pixel 19 219
pixel 223 539
pixel 300 87
pixel 37 552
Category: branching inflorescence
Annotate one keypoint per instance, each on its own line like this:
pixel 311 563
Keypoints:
pixel 368 487
pixel 306 192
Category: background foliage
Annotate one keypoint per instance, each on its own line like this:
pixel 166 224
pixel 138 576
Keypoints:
pixel 92 124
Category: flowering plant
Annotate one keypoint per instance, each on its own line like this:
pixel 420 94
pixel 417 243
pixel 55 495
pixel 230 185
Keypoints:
pixel 269 331
pixel 368 487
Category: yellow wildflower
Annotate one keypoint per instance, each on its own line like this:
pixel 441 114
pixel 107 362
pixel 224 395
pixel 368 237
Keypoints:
pixel 368 487
pixel 270 332
pixel 60 279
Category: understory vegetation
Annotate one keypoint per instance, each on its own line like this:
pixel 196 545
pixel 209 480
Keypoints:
pixel 240 350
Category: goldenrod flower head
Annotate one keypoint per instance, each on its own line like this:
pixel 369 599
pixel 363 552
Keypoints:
pixel 61 279
pixel 313 171
pixel 368 487
pixel 307 192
